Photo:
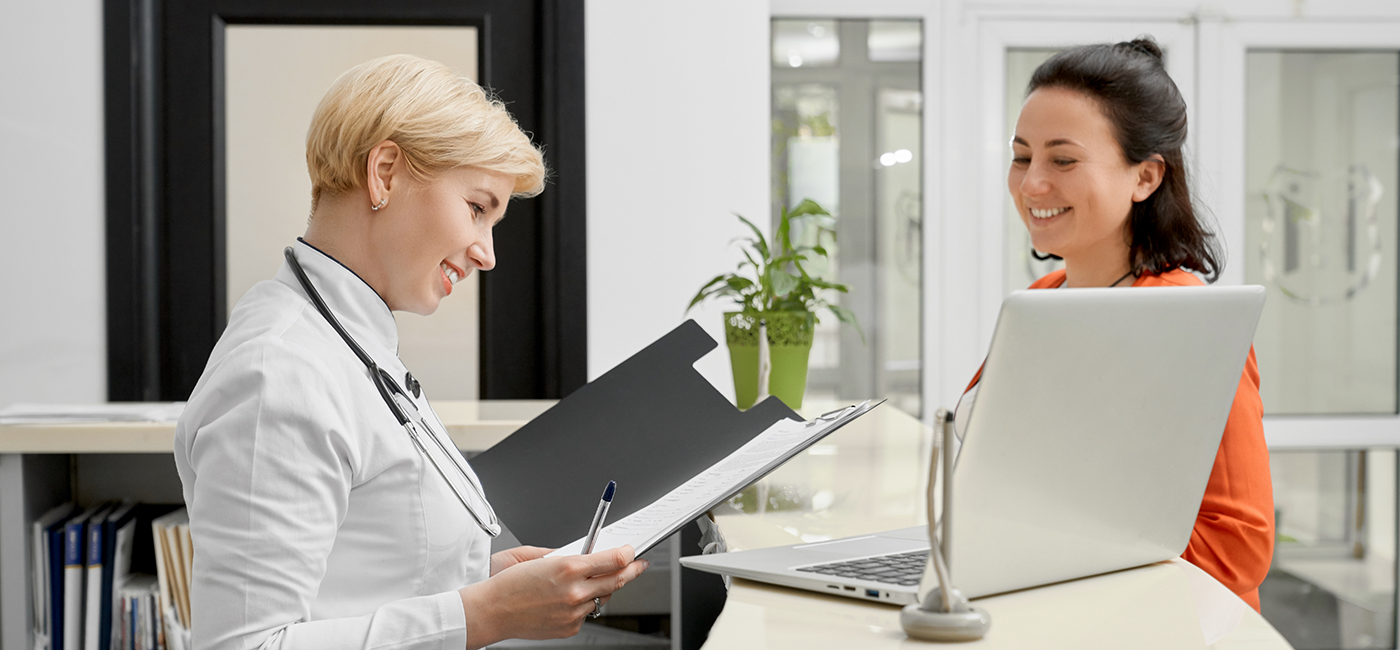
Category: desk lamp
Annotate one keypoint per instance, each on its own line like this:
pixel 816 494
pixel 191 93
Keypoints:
pixel 944 615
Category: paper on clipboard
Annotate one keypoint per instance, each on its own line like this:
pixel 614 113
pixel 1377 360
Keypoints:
pixel 646 528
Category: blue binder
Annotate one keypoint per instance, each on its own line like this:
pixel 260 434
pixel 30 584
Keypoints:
pixel 118 518
pixel 56 535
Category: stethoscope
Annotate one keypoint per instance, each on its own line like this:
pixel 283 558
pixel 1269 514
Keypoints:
pixel 402 407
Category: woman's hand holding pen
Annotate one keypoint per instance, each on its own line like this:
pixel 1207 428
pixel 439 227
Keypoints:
pixel 544 598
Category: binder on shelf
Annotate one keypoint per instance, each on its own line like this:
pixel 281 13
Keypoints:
pixel 118 628
pixel 74 574
pixel 120 517
pixel 92 599
pixel 47 565
pixel 651 424
pixel 57 583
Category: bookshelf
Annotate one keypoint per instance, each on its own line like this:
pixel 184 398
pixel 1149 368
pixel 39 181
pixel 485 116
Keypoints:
pixel 42 466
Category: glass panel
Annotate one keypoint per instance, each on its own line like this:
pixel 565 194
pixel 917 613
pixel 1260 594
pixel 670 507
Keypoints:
pixel 810 43
pixel 895 40
pixel 1321 188
pixel 849 137
pixel 275 75
pixel 899 228
pixel 1332 583
pixel 1021 267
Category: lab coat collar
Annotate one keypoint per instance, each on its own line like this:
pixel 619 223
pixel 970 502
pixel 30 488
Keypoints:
pixel 355 304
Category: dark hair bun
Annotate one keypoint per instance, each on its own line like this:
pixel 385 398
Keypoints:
pixel 1146 45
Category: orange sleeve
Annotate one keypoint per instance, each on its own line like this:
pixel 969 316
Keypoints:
pixel 1233 539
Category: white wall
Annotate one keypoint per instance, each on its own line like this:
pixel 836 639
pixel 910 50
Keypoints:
pixel 678 138
pixel 53 317
pixel 677 134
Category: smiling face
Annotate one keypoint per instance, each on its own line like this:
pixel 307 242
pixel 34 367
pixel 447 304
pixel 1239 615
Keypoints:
pixel 1072 185
pixel 433 233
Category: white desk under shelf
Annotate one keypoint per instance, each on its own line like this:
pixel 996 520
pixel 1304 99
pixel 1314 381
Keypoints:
pixel 474 425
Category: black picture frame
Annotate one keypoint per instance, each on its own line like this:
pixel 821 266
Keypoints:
pixel 166 299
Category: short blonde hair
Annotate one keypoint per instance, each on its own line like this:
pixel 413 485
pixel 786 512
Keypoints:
pixel 440 121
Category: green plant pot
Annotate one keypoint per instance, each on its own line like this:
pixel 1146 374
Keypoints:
pixel 789 348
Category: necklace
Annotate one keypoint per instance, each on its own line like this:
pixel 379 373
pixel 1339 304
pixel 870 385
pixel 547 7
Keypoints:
pixel 1125 277
pixel 1065 283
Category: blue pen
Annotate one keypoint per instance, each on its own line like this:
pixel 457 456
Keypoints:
pixel 598 517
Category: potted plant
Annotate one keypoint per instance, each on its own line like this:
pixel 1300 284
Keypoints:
pixel 777 295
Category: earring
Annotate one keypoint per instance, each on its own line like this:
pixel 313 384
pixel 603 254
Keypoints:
pixel 381 204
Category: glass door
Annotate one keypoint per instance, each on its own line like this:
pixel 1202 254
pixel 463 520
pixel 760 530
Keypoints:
pixel 1301 143
pixel 848 133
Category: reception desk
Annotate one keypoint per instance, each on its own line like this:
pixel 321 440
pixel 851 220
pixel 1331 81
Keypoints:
pixel 870 476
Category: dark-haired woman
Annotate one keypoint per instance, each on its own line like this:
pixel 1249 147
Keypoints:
pixel 1099 180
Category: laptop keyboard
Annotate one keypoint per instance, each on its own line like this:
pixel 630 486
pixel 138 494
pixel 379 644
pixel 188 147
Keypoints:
pixel 904 569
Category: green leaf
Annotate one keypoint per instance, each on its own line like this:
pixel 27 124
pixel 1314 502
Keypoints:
pixel 751 261
pixel 848 317
pixel 806 207
pixel 789 305
pixel 762 243
pixel 783 282
pixel 823 284
pixel 784 235
pixel 704 291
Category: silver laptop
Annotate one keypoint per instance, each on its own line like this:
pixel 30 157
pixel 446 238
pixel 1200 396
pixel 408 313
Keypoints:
pixel 1096 423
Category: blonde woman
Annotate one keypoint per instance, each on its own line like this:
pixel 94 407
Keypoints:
pixel 326 502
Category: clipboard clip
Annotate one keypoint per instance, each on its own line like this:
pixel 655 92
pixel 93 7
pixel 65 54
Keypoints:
pixel 830 415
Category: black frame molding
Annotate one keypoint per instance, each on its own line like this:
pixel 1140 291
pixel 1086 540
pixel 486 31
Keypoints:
pixel 165 195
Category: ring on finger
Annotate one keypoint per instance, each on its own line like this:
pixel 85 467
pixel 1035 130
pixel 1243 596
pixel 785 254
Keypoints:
pixel 597 609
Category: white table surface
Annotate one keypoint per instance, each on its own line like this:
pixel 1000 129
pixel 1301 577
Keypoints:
pixel 870 476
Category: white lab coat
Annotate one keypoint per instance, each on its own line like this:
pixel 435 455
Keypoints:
pixel 316 521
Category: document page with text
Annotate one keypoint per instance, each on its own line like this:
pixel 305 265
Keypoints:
pixel 646 528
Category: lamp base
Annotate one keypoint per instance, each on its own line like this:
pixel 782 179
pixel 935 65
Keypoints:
pixel 969 625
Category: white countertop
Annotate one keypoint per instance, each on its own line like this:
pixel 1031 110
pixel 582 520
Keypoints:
pixel 870 476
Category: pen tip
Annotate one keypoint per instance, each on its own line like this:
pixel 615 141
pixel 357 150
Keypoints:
pixel 608 493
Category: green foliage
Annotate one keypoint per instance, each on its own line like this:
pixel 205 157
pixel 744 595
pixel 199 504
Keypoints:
pixel 778 279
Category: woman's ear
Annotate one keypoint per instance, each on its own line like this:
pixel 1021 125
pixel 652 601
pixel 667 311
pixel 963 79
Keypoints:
pixel 1149 177
pixel 380 169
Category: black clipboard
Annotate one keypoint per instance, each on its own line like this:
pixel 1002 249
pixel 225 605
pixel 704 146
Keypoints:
pixel 650 424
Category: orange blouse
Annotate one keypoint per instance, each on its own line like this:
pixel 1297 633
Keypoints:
pixel 1233 539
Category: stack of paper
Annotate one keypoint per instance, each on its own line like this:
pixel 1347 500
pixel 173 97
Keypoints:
pixel 136 625
pixel 174 565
